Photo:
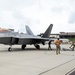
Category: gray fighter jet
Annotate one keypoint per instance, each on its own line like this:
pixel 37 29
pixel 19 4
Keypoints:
pixel 8 37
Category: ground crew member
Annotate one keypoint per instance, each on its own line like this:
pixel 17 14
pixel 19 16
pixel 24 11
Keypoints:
pixel 49 45
pixel 57 43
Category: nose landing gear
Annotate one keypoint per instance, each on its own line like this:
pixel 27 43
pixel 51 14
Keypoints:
pixel 10 48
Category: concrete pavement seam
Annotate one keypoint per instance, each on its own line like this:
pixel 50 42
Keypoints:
pixel 56 67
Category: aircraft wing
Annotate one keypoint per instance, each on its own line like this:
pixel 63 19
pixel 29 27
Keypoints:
pixel 26 39
pixel 32 40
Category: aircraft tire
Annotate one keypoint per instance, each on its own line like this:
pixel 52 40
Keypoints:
pixel 23 47
pixel 9 49
pixel 37 47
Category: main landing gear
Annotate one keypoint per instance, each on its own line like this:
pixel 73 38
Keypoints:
pixel 37 47
pixel 23 47
pixel 10 48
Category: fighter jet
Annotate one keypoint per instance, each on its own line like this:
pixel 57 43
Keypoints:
pixel 8 37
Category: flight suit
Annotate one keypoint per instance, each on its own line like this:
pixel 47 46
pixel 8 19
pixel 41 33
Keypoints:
pixel 58 48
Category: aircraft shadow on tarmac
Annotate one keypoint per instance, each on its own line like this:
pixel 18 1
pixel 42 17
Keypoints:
pixel 26 49
pixel 32 49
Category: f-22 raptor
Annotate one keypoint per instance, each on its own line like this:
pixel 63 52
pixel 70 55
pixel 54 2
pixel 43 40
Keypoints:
pixel 8 37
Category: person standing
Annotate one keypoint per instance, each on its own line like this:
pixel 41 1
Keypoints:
pixel 49 45
pixel 58 48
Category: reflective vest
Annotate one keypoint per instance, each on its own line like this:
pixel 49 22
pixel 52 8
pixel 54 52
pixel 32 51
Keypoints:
pixel 57 42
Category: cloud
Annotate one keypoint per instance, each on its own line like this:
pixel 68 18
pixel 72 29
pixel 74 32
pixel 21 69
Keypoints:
pixel 37 14
pixel 16 4
pixel 72 18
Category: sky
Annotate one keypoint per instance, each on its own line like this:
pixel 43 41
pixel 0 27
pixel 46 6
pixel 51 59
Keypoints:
pixel 38 15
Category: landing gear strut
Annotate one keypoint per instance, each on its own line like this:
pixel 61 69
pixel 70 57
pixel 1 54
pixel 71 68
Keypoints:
pixel 37 47
pixel 23 47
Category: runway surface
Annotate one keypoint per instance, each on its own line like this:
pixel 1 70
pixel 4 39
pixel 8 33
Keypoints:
pixel 36 62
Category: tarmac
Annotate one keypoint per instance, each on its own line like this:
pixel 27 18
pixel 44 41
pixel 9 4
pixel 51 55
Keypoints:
pixel 36 62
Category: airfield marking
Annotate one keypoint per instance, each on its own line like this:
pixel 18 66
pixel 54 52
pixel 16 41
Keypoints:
pixel 56 67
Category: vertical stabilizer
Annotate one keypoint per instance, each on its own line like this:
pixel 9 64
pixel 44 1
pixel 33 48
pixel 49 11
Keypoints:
pixel 28 30
pixel 48 31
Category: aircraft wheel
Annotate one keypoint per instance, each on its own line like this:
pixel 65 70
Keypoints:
pixel 72 49
pixel 23 46
pixel 9 49
pixel 38 47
